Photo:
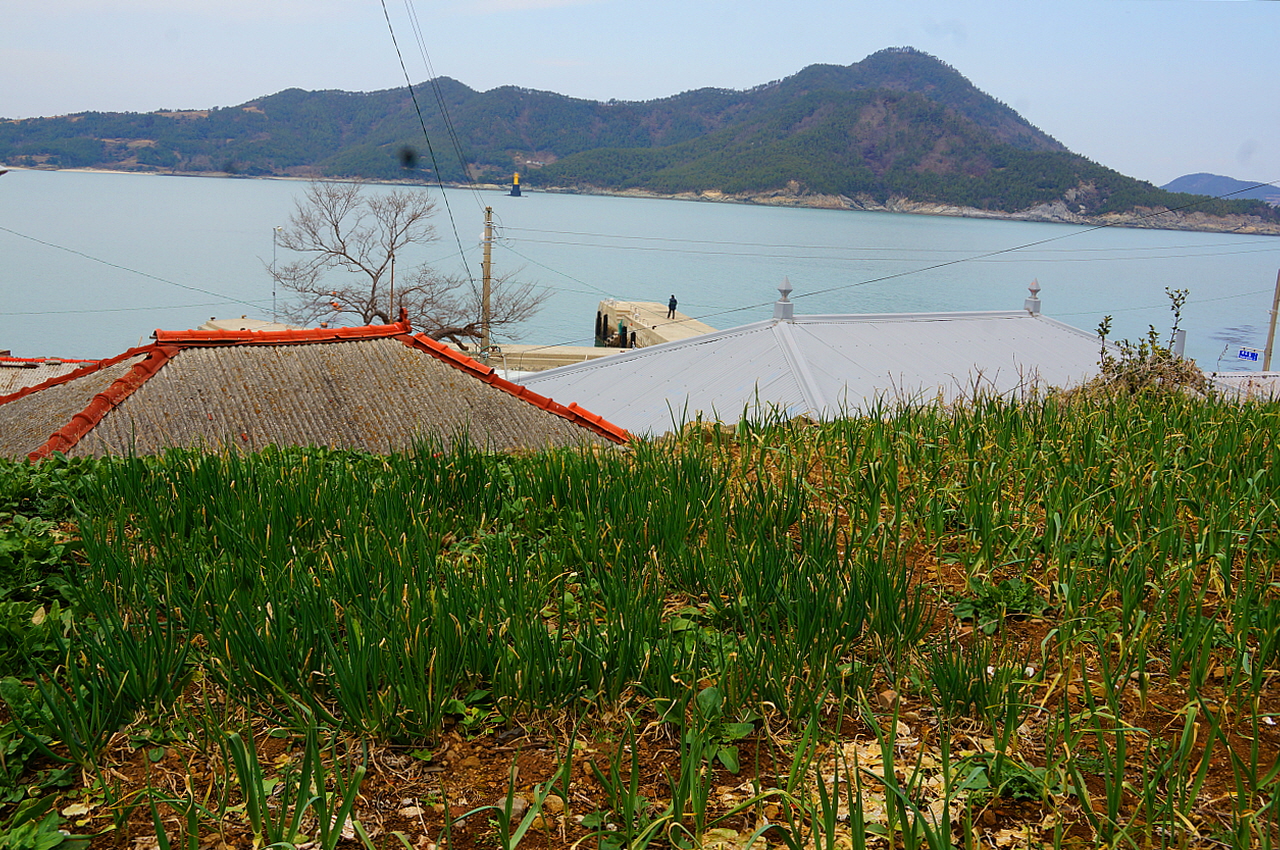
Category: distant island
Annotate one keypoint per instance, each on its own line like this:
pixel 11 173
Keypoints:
pixel 900 131
pixel 1218 186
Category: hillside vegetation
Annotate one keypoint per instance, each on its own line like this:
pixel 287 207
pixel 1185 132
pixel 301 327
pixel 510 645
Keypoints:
pixel 899 124
pixel 1053 622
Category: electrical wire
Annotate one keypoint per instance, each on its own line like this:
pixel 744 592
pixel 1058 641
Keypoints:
pixel 1249 294
pixel 989 256
pixel 1025 245
pixel 982 256
pixel 434 79
pixel 973 258
pixel 598 290
pixel 1144 259
pixel 812 247
pixel 854 258
pixel 127 269
pixel 262 303
pixel 425 135
pixel 969 257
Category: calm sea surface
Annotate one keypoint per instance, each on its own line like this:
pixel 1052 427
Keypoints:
pixel 91 263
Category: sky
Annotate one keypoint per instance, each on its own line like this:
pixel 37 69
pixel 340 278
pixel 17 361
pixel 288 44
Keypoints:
pixel 1152 88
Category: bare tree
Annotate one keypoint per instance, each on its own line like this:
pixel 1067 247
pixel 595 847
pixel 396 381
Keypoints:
pixel 350 238
pixel 452 308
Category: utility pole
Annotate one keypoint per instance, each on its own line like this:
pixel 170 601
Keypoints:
pixel 274 279
pixel 487 272
pixel 1271 334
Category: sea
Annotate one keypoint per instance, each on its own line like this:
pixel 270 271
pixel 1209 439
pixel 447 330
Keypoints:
pixel 91 263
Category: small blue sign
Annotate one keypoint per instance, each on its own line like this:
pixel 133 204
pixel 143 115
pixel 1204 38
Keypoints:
pixel 1250 354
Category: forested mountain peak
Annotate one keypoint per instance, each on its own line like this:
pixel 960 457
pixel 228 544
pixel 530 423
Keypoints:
pixel 909 70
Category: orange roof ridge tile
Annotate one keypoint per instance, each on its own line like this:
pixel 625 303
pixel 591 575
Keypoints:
pixel 573 413
pixel 11 359
pixel 105 401
pixel 299 335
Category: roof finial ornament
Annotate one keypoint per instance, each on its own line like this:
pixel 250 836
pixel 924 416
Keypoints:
pixel 783 308
pixel 1032 304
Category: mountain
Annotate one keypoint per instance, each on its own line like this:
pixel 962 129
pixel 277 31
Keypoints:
pixel 899 130
pixel 1218 186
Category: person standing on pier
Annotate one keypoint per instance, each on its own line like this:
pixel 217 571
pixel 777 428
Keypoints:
pixel 671 308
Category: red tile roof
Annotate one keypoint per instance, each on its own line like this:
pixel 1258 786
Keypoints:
pixel 93 398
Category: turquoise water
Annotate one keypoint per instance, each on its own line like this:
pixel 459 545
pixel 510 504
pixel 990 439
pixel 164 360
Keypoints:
pixel 92 263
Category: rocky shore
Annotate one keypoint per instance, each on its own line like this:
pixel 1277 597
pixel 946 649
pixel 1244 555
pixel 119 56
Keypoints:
pixel 1057 211
pixel 793 196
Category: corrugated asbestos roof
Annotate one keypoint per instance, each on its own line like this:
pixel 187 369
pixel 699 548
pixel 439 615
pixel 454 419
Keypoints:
pixel 824 366
pixel 375 388
pixel 19 372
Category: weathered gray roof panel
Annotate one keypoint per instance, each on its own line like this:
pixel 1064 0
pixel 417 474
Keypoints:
pixel 377 388
pixel 26 422
pixel 18 373
pixel 377 395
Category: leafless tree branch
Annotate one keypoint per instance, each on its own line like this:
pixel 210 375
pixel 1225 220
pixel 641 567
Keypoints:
pixel 349 237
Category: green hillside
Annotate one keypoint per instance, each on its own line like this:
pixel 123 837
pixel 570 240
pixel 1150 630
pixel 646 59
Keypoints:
pixel 900 123
pixel 878 143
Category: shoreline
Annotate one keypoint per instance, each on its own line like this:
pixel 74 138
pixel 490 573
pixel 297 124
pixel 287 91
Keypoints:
pixel 1055 212
pixel 1143 218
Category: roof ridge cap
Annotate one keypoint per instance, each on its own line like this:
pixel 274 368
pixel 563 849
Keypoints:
pixel 286 337
pixel 8 358
pixel 104 402
pixel 90 367
pixel 791 352
pixel 574 413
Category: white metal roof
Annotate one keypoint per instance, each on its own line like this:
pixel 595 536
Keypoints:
pixel 825 366
pixel 1263 386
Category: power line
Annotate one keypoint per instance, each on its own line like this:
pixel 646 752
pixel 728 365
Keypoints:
pixel 987 256
pixel 854 257
pixel 813 247
pixel 983 256
pixel 425 135
pixel 444 110
pixel 597 289
pixel 1159 306
pixel 127 269
pixel 262 303
pixel 1143 259
pixel 1003 251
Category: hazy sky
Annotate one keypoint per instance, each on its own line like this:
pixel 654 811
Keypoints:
pixel 1152 88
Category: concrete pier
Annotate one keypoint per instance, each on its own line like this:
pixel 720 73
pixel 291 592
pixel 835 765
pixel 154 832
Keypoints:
pixel 648 321
pixel 536 358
